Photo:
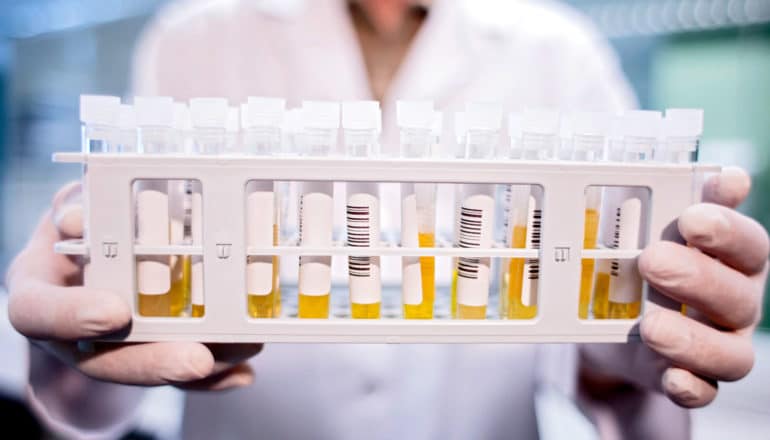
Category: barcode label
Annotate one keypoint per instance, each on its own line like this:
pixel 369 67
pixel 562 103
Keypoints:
pixel 359 233
pixel 533 269
pixel 615 264
pixel 470 237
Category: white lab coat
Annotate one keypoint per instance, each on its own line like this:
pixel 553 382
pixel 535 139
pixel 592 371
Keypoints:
pixel 521 53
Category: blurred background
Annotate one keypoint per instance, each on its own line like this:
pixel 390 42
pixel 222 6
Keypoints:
pixel 713 54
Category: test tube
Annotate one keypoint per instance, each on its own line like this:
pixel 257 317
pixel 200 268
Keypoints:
pixel 618 280
pixel 682 129
pixel 209 126
pixel 233 131
pixel 474 224
pixel 99 117
pixel 262 120
pixel 179 217
pixel 416 122
pixel 361 130
pixel 156 136
pixel 588 143
pixel 320 125
pixel 127 139
pixel 538 131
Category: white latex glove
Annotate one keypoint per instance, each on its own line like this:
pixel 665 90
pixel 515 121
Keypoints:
pixel 49 305
pixel 721 278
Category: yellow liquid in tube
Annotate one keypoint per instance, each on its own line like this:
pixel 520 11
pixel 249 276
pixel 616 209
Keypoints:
pixel 313 306
pixel 624 310
pixel 471 312
pixel 601 304
pixel 365 311
pixel 515 280
pixel 424 310
pixel 587 265
pixel 198 310
pixel 179 295
pixel 268 306
pixel 154 305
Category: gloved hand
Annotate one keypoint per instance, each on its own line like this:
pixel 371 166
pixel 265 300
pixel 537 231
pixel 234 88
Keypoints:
pixel 721 277
pixel 49 305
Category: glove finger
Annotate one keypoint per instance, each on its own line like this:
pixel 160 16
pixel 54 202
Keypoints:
pixel 696 347
pixel 236 376
pixel 687 389
pixel 737 240
pixel 43 311
pixel 155 363
pixel 729 188
pixel 726 296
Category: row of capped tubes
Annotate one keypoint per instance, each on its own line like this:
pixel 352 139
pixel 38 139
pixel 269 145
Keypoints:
pixel 417 121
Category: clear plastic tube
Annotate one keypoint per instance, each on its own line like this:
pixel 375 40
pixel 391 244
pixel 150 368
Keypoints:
pixel 262 120
pixel 156 136
pixel 416 121
pixel 361 127
pixel 320 125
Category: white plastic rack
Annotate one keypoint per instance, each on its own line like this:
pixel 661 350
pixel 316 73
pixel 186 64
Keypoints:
pixel 112 251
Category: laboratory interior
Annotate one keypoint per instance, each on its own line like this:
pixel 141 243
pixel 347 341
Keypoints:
pixel 446 135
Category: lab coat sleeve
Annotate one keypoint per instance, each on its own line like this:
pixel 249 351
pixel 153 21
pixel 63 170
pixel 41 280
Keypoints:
pixel 74 406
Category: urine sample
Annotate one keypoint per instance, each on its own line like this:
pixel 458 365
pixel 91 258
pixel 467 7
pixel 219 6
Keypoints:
pixel 417 123
pixel 588 144
pixel 534 136
pixel 262 120
pixel 474 226
pixel 628 208
pixel 155 120
pixel 320 123
pixel 209 118
pixel 361 129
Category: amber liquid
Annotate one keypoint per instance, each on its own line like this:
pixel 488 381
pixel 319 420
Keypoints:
pixel 587 265
pixel 424 310
pixel 268 306
pixel 471 312
pixel 198 310
pixel 154 305
pixel 624 310
pixel 601 304
pixel 179 295
pixel 516 309
pixel 313 306
pixel 365 311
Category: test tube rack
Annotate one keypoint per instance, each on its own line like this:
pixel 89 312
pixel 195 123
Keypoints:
pixel 112 251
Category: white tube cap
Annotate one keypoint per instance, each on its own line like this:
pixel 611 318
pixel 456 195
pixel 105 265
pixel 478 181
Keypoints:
pixel 683 122
pixel 233 124
pixel 361 115
pixel 320 114
pixel 154 111
pixel 483 115
pixel 208 112
pixel 415 114
pixel 182 117
pixel 263 112
pixel 514 125
pixel 641 123
pixel 591 123
pixel 127 117
pixel 99 109
pixel 540 121
pixel 461 127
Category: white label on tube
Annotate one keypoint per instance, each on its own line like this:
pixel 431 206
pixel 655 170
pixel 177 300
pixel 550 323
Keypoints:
pixel 315 230
pixel 411 283
pixel 260 215
pixel 363 230
pixel 152 228
pixel 532 265
pixel 625 282
pixel 196 261
pixel 476 229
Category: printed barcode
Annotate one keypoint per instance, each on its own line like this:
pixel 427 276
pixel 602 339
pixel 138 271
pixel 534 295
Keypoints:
pixel 470 237
pixel 187 204
pixel 615 264
pixel 359 221
pixel 533 271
